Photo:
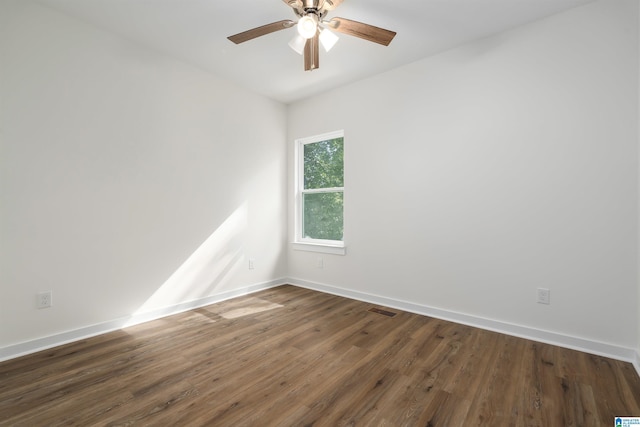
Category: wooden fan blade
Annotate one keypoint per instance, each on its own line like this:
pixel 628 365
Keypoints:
pixel 261 31
pixel 364 31
pixel 330 4
pixel 312 54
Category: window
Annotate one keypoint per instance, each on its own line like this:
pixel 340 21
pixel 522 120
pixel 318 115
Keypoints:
pixel 320 193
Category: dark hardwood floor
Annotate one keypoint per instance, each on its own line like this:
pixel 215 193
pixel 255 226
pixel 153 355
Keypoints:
pixel 291 356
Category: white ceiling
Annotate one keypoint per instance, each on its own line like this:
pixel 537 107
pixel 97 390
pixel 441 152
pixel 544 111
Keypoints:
pixel 196 31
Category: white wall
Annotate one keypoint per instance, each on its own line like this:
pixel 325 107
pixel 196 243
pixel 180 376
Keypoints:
pixel 507 164
pixel 117 165
pixel 637 361
pixel 130 181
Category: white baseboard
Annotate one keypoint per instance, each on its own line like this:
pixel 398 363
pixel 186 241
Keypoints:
pixel 580 344
pixel 28 347
pixel 548 337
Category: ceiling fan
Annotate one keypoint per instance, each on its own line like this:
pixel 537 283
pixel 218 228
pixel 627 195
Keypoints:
pixel 313 30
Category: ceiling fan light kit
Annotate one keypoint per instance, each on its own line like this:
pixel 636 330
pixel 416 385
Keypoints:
pixel 297 43
pixel 308 26
pixel 311 32
pixel 328 39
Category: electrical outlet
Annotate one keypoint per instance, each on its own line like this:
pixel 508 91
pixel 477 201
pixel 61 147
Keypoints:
pixel 320 263
pixel 43 299
pixel 544 296
pixel 252 263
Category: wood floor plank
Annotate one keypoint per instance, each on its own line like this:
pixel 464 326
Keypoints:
pixel 289 356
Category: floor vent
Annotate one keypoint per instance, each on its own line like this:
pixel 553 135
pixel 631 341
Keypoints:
pixel 383 312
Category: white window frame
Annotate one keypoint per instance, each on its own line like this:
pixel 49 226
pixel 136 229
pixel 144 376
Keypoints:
pixel 307 244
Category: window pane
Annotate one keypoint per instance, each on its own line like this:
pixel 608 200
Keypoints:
pixel 322 218
pixel 324 164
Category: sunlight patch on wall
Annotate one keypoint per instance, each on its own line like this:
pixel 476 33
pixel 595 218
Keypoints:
pixel 208 268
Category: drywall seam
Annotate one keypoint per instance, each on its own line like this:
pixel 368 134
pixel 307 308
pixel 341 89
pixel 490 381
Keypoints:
pixel 32 346
pixel 548 337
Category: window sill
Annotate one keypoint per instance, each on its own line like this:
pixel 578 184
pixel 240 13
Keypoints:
pixel 316 247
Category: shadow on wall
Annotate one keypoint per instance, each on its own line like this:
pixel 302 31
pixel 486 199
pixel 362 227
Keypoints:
pixel 210 267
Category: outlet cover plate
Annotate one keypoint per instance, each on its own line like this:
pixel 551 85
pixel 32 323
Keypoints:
pixel 43 299
pixel 544 296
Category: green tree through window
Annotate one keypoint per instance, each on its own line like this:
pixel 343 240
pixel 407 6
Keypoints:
pixel 323 189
